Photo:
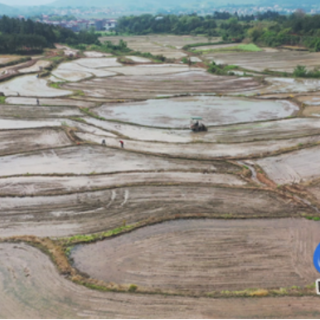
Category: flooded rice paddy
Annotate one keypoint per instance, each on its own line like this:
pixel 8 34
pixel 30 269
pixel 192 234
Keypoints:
pixel 63 172
pixel 30 86
pixel 215 110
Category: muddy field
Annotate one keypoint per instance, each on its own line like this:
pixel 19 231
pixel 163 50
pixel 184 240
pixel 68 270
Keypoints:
pixel 296 167
pixel 63 173
pixel 88 212
pixel 216 110
pixel 16 141
pixel 259 61
pixel 30 86
pixel 37 185
pixel 203 255
pixel 147 87
pixel 31 287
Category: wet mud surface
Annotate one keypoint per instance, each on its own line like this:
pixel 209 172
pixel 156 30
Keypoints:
pixel 31 287
pixel 206 255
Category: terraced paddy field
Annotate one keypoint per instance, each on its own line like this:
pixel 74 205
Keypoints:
pixel 174 222
pixel 31 287
pixel 89 212
pixel 179 83
pixel 284 61
pixel 15 141
pixel 216 111
pixel 198 256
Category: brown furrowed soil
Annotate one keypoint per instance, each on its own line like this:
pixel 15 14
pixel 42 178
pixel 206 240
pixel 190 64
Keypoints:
pixel 88 159
pixel 53 185
pixel 147 87
pixel 201 256
pixel 89 212
pixel 259 61
pixel 16 141
pixel 25 112
pixel 31 287
pixel 176 219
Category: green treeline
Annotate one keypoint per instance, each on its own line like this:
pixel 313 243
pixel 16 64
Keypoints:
pixel 26 36
pixel 270 28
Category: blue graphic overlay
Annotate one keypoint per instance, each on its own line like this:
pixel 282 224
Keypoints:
pixel 316 258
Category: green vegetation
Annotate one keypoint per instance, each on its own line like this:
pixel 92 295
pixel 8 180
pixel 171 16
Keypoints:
pixel 133 288
pixel 302 72
pixel 98 236
pixel 91 114
pixel 220 69
pixel 271 29
pixel 2 99
pixel 313 218
pixel 28 37
pixel 237 48
pixel 190 46
pixel 56 85
pixel 121 49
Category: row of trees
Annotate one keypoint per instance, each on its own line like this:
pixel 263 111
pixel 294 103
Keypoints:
pixel 294 29
pixel 23 36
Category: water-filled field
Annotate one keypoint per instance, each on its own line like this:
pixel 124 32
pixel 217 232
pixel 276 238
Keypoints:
pixel 214 110
pixel 137 215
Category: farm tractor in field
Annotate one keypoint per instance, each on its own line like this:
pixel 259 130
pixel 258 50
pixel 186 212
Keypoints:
pixel 196 124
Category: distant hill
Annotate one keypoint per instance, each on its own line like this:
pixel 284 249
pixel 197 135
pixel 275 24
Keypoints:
pixel 7 10
pixel 139 3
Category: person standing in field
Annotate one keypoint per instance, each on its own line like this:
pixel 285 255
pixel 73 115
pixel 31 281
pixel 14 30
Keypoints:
pixel 121 143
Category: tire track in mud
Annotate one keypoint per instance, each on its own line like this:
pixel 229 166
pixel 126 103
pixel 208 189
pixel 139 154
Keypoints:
pixel 30 287
pixel 91 212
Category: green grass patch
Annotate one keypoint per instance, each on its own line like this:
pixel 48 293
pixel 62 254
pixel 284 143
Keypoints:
pixel 79 93
pixel 2 99
pixel 97 236
pixel 56 85
pixel 238 48
pixel 313 218
pixel 88 112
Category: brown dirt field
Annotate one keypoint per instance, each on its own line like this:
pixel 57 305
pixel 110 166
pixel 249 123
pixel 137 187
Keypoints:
pixel 91 212
pixel 40 186
pixel 18 141
pixel 201 256
pixel 52 102
pixel 25 112
pixel 295 167
pixel 147 87
pixel 259 61
pixel 88 159
pixel 30 287
pixel 208 151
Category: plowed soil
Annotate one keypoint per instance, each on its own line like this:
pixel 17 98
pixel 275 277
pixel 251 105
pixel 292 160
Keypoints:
pixel 90 212
pixel 147 87
pixel 207 255
pixel 15 141
pixel 30 287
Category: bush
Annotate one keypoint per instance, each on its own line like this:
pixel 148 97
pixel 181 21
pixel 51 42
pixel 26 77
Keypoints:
pixel 300 71
pixel 133 288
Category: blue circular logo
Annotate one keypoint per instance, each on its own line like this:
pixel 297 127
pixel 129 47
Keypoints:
pixel 316 258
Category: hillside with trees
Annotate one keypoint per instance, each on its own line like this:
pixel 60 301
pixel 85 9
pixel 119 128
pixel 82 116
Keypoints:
pixel 26 36
pixel 269 29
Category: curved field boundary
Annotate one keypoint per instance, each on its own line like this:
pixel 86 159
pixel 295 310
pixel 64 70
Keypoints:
pixel 30 287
